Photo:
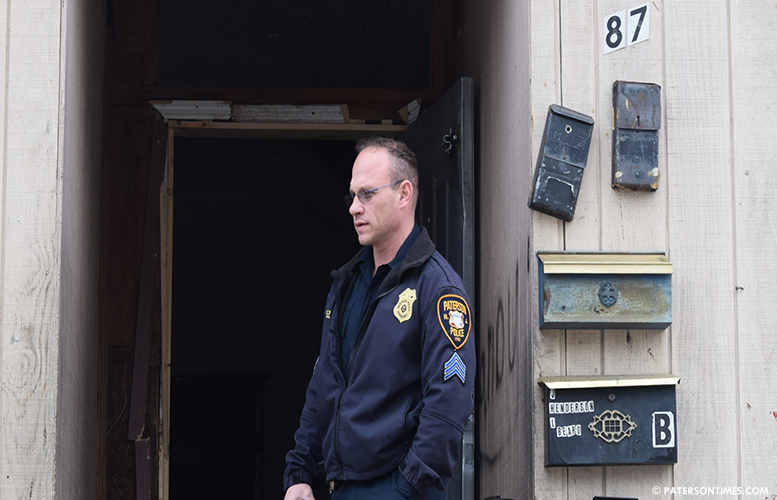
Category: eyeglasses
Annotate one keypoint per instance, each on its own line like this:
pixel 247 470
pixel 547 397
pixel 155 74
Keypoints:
pixel 365 195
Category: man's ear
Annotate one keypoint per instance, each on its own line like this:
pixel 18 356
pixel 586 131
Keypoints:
pixel 405 193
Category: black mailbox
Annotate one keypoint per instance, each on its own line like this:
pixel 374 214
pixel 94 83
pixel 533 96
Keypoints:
pixel 637 108
pixel 562 158
pixel 610 420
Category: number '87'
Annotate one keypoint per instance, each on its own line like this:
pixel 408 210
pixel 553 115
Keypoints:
pixel 621 30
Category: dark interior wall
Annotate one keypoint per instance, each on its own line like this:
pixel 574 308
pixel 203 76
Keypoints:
pixel 302 44
pixel 258 227
pixel 78 339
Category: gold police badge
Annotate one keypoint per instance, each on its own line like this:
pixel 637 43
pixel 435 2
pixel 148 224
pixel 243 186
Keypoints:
pixel 404 308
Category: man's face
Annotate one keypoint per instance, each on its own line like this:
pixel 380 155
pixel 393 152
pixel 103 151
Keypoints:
pixel 378 220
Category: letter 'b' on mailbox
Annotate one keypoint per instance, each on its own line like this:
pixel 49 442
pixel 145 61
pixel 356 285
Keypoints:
pixel 562 158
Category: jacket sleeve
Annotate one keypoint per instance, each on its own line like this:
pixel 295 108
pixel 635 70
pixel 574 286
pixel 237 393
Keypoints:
pixel 447 384
pixel 301 461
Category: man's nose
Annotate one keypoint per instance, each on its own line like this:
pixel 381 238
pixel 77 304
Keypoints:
pixel 356 206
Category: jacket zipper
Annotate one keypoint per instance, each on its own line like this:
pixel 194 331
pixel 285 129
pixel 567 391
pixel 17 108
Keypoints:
pixel 365 322
pixel 336 364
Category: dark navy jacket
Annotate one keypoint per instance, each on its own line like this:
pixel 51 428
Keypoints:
pixel 396 409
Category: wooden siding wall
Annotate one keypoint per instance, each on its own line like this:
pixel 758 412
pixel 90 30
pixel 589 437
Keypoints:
pixel 494 45
pixel 50 151
pixel 712 214
pixel 29 246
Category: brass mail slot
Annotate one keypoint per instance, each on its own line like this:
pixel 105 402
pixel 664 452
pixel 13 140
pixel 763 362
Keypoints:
pixel 595 290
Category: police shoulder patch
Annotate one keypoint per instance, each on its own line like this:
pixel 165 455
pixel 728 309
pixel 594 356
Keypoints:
pixel 454 316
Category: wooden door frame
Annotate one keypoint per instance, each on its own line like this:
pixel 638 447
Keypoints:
pixel 205 128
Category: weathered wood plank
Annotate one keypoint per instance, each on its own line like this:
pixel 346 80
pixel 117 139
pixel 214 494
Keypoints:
pixel 506 383
pixel 30 242
pixel 632 222
pixel 753 77
pixel 549 349
pixel 700 239
pixel 505 378
pixel 578 91
pixel 83 44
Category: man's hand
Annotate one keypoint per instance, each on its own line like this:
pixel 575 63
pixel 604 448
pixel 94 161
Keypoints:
pixel 300 491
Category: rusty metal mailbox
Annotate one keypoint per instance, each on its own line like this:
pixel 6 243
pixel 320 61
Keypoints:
pixel 601 420
pixel 594 290
pixel 636 120
pixel 562 158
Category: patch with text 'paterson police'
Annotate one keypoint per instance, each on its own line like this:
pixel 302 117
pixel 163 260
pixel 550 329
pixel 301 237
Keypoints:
pixel 453 313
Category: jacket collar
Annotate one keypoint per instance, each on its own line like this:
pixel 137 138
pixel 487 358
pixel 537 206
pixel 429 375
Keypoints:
pixel 421 250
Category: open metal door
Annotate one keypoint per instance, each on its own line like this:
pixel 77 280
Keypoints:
pixel 443 140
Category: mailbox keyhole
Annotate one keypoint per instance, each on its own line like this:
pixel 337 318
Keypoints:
pixel 568 129
pixel 611 398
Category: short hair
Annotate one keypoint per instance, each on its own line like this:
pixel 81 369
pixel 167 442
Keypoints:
pixel 403 161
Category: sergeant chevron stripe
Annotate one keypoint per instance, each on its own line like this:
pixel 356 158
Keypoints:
pixel 455 366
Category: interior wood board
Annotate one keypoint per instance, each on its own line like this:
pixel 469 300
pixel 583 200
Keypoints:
pixel 753 78
pixel 701 242
pixel 323 131
pixel 120 463
pixel 357 99
pixel 548 351
pixel 127 40
pixel 166 268
pixel 148 273
pixel 437 46
pixel 151 43
pixel 30 241
pixel 125 178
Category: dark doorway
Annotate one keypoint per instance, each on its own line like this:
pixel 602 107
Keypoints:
pixel 259 224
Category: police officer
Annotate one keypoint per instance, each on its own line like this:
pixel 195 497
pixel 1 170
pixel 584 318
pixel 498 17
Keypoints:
pixel 392 388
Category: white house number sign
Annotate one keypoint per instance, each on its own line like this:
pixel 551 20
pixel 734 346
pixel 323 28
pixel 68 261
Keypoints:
pixel 626 27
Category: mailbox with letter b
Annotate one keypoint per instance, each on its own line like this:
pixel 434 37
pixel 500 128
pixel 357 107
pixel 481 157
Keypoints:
pixel 588 290
pixel 610 420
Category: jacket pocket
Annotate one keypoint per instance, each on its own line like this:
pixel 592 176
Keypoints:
pixel 402 486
